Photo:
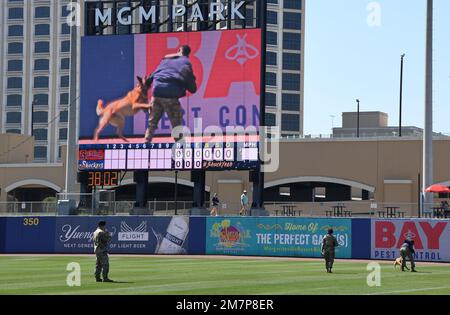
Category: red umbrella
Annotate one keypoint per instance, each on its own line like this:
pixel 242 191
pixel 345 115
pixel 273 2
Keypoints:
pixel 437 189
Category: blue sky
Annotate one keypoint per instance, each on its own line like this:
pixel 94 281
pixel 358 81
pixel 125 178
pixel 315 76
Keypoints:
pixel 346 59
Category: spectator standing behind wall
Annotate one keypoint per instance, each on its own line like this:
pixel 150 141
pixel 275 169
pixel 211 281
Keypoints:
pixel 244 203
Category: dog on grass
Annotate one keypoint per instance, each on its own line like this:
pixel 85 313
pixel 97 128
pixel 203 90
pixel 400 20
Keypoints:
pixel 116 112
pixel 398 262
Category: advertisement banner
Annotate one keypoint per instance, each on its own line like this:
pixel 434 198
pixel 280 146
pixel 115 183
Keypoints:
pixel 431 238
pixel 297 237
pixel 28 235
pixel 130 235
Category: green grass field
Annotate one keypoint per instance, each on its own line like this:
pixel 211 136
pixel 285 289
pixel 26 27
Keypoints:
pixel 214 276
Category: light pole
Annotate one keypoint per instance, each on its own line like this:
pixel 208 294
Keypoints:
pixel 401 96
pixel 332 123
pixel 357 119
pixel 427 173
pixel 176 193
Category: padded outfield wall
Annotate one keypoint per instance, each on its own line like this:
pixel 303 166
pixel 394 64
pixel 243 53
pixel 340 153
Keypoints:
pixel 241 236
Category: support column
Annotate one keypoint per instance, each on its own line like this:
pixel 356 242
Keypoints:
pixel 85 199
pixel 141 180
pixel 257 210
pixel 198 207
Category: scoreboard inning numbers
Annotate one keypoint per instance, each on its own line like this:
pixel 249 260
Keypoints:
pixel 169 156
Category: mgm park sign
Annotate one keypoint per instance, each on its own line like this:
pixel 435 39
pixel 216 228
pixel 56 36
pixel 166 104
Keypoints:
pixel 215 12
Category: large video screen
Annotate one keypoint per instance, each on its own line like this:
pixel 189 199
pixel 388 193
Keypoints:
pixel 136 88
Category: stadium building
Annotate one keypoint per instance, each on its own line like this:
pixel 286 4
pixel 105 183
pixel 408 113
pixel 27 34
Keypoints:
pixel 35 50
pixel 314 174
pixel 35 74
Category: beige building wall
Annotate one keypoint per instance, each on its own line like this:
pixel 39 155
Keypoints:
pixel 387 167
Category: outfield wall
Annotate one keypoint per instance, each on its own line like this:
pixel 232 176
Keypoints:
pixel 240 236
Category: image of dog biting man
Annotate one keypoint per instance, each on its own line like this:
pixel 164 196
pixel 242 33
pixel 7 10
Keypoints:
pixel 115 112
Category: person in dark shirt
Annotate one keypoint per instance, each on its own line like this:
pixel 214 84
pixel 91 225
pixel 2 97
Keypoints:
pixel 173 77
pixel 407 251
pixel 215 205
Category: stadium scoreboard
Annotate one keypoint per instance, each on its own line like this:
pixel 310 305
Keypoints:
pixel 233 155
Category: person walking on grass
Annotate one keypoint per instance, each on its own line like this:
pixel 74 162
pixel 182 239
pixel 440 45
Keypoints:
pixel 329 244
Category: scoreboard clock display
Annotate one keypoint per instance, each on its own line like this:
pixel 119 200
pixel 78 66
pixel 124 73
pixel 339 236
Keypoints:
pixel 103 178
pixel 234 155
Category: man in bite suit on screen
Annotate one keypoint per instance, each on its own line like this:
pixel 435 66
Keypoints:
pixel 173 77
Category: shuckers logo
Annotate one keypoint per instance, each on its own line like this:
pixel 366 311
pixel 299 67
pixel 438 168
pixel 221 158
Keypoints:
pixel 127 234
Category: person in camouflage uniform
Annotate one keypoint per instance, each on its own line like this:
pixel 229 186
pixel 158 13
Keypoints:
pixel 101 239
pixel 173 77
pixel 329 243
pixel 407 251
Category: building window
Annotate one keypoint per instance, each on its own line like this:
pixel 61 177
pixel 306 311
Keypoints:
pixel 65 46
pixel 291 61
pixel 291 41
pixel 292 4
pixel 65 81
pixel 64 11
pixel 65 64
pixel 42 12
pixel 271 79
pixel 41 82
pixel 13 118
pixel 64 116
pixel 290 122
pixel 271 99
pixel 14 100
pixel 272 38
pixel 40 152
pixel 41 47
pixel 14 83
pixel 40 99
pixel 15 30
pixel 65 29
pixel 272 17
pixel 271 119
pixel 40 134
pixel 64 99
pixel 291 82
pixel 15 13
pixel 41 64
pixel 291 102
pixel 15 65
pixel 14 131
pixel 15 48
pixel 40 117
pixel 272 1
pixel 292 21
pixel 271 58
pixel 42 29
pixel 63 134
